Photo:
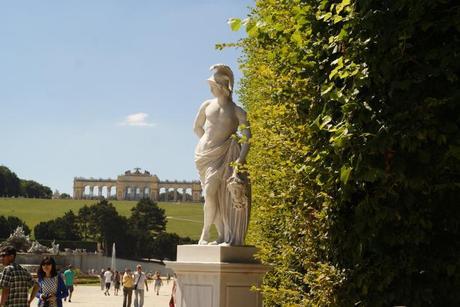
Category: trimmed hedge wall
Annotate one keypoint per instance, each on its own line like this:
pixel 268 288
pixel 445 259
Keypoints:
pixel 354 108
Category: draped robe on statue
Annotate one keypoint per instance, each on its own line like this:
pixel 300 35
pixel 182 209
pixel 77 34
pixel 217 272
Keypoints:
pixel 213 165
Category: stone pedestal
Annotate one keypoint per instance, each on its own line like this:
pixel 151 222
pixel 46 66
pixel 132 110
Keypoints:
pixel 217 276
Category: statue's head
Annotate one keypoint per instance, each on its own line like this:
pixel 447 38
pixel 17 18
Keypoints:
pixel 221 81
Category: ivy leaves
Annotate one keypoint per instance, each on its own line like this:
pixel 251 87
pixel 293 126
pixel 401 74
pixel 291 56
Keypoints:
pixel 354 156
pixel 235 23
pixel 250 25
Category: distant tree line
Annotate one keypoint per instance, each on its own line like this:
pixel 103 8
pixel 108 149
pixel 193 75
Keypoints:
pixel 142 235
pixel 12 186
pixel 57 195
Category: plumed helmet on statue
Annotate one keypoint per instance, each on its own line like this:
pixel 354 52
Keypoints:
pixel 223 76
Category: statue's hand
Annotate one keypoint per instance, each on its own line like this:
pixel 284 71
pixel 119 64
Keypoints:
pixel 234 174
pixel 236 164
pixel 240 161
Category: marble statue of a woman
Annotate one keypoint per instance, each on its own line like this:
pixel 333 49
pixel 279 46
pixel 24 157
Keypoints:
pixel 226 191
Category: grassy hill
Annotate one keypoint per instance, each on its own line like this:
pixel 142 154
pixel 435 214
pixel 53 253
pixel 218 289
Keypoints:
pixel 185 219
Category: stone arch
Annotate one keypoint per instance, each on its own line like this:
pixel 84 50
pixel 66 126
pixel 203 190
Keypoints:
pixel 105 192
pixel 112 192
pixel 146 192
pixel 188 193
pixel 109 192
pixel 128 193
pixel 133 193
pixel 181 197
pixel 87 191
pixel 96 191
pixel 137 192
pixel 163 194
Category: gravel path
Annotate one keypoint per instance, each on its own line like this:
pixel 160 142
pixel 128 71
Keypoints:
pixel 92 296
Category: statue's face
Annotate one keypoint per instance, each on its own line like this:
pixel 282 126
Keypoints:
pixel 217 90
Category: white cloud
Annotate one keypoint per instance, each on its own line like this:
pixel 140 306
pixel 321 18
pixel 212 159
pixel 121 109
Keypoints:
pixel 137 119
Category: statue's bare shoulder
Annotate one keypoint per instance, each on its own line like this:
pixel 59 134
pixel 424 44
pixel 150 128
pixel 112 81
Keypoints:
pixel 201 115
pixel 205 104
pixel 200 119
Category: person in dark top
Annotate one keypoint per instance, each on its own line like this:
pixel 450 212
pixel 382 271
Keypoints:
pixel 15 281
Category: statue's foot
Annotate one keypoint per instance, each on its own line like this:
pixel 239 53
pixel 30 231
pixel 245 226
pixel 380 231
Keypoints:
pixel 219 241
pixel 202 242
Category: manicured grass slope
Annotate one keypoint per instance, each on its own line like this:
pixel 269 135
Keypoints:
pixel 185 219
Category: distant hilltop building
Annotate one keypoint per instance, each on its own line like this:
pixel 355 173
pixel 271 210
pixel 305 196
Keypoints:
pixel 135 185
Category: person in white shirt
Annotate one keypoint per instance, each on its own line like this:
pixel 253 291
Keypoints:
pixel 140 279
pixel 108 277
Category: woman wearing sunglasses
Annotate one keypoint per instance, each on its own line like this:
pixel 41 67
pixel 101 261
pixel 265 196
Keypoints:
pixel 51 285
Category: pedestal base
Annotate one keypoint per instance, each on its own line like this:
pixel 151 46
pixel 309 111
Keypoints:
pixel 217 276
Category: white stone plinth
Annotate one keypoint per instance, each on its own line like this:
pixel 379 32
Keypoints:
pixel 217 276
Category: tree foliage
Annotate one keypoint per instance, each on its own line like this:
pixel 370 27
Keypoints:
pixel 142 235
pixel 64 196
pixel 61 228
pixel 354 109
pixel 146 222
pixel 12 186
pixel 9 224
pixel 165 245
pixel 102 223
pixel 146 216
pixel 99 222
pixel 33 189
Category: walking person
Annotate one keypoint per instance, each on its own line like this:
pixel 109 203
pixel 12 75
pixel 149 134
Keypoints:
pixel 108 278
pixel 101 279
pixel 15 281
pixel 140 279
pixel 168 278
pixel 51 286
pixel 128 284
pixel 116 283
pixel 69 276
pixel 172 300
pixel 158 283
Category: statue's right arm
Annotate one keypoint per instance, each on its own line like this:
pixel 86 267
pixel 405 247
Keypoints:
pixel 200 120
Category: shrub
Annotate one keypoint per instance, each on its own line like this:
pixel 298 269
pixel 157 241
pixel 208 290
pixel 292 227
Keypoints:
pixel 354 109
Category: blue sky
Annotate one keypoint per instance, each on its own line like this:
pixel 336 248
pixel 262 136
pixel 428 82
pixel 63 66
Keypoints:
pixel 95 87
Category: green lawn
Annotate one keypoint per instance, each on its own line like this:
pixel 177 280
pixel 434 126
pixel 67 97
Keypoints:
pixel 185 219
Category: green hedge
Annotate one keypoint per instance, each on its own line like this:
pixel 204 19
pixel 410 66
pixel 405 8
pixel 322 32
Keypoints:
pixel 354 109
